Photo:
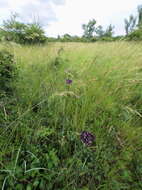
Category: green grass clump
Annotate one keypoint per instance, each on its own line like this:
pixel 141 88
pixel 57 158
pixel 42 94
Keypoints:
pixel 40 135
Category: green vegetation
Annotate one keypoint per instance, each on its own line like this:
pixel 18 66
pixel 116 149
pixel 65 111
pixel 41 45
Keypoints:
pixel 7 72
pixel 42 119
pixel 15 30
pixel 130 24
pixel 90 30
pixel 139 16
pixel 19 32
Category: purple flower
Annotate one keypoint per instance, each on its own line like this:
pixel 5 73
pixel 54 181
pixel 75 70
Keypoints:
pixel 87 138
pixel 68 81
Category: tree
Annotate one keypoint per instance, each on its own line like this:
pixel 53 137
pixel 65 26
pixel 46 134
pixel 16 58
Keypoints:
pixel 14 30
pixel 130 24
pixel 19 32
pixel 67 38
pixel 34 33
pixel 99 31
pixel 109 31
pixel 12 24
pixel 89 28
pixel 137 33
pixel 139 16
pixel 105 33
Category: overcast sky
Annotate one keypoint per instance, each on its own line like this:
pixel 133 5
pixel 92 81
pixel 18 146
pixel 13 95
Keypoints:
pixel 67 16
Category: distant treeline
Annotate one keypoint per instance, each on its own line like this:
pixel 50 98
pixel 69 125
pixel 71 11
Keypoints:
pixel 33 33
pixel 69 38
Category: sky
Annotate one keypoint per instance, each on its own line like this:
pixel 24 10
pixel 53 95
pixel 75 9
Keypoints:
pixel 59 17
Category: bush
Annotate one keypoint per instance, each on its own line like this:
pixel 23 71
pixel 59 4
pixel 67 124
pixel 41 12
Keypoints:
pixel 135 35
pixel 34 34
pixel 1 35
pixel 7 72
pixel 14 30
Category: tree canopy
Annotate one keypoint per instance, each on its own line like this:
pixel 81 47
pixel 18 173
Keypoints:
pixel 20 32
pixel 89 28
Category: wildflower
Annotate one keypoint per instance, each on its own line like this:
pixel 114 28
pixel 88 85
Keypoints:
pixel 68 81
pixel 87 138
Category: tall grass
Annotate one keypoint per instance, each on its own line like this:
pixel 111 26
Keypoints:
pixel 40 141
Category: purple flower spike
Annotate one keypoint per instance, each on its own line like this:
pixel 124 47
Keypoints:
pixel 87 138
pixel 68 81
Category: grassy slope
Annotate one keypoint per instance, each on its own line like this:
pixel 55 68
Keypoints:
pixel 104 98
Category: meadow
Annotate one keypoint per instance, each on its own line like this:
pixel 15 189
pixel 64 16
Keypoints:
pixel 61 90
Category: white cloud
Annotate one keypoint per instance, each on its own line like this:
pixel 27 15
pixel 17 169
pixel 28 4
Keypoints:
pixel 30 9
pixel 71 14
pixel 74 13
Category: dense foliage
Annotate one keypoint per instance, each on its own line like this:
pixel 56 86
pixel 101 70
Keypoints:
pixel 130 24
pixel 7 72
pixel 58 95
pixel 19 32
pixel 14 30
pixel 135 35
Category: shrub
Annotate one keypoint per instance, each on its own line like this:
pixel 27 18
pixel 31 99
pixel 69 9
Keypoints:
pixel 1 34
pixel 105 38
pixel 135 35
pixel 14 30
pixel 34 34
pixel 7 72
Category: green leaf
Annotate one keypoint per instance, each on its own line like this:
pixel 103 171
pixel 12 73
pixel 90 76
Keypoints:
pixel 29 187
